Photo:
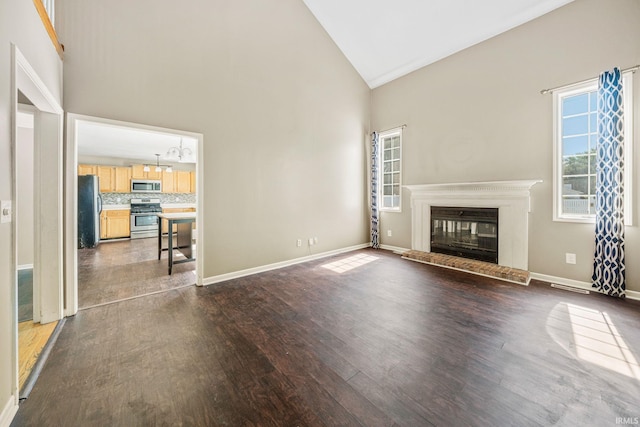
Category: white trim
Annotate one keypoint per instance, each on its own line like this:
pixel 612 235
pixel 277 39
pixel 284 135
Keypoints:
pixel 275 266
pixel 394 249
pixel 26 79
pixel 25 267
pixel 29 83
pixel 8 412
pixel 25 119
pixel 634 295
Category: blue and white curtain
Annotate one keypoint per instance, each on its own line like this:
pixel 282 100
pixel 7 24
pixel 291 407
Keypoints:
pixel 608 267
pixel 374 190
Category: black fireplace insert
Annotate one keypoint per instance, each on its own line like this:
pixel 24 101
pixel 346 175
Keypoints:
pixel 465 232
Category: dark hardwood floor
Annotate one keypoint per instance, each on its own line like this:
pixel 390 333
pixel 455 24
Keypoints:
pixel 127 268
pixel 389 342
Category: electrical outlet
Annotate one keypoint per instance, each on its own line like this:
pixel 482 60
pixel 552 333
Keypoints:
pixel 315 240
pixel 310 241
pixel 389 233
pixel 299 242
pixel 570 258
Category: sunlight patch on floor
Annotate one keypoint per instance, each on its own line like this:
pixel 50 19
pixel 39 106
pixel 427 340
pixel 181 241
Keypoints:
pixel 349 263
pixel 590 335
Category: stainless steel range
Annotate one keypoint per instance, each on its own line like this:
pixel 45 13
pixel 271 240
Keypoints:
pixel 144 218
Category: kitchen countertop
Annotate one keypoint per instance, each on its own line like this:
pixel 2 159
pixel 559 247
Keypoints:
pixel 178 216
pixel 178 205
pixel 163 205
pixel 115 207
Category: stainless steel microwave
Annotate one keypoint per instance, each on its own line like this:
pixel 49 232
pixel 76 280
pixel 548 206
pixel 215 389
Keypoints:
pixel 146 186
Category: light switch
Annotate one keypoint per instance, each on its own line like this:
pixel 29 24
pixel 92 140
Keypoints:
pixel 5 211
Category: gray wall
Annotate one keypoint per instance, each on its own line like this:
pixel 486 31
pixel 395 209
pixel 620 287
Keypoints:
pixel 19 24
pixel 479 116
pixel 283 113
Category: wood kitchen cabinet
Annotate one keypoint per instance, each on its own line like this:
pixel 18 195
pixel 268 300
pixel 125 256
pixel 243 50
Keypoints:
pixel 152 174
pixel 115 224
pixel 114 179
pixel 193 182
pixel 106 176
pixel 182 182
pixel 165 224
pixel 168 182
pixel 103 225
pixel 86 170
pixel 122 180
pixel 137 172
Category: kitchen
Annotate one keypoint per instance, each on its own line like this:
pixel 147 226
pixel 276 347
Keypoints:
pixel 127 177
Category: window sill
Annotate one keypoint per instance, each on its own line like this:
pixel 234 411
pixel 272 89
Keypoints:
pixel 398 210
pixel 578 220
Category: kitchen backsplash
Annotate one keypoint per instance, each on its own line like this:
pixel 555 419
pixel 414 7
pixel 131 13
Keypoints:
pixel 125 198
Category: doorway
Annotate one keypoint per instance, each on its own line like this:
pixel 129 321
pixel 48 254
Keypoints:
pixel 37 226
pixel 119 267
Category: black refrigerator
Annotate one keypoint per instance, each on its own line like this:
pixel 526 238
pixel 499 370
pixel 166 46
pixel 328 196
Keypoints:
pixel 89 208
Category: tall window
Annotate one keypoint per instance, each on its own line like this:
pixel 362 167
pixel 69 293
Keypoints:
pixel 390 156
pixel 576 135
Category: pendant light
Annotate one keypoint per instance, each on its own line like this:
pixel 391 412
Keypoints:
pixel 181 154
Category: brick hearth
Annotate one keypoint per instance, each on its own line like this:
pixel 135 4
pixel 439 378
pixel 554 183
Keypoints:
pixel 508 274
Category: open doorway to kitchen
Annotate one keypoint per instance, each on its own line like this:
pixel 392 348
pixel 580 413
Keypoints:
pixel 121 177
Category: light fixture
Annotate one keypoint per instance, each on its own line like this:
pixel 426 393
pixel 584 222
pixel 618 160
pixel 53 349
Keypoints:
pixel 158 167
pixel 181 154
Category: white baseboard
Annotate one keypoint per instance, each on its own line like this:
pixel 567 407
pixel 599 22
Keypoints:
pixel 250 271
pixel 8 412
pixel 394 249
pixel 634 295
pixel 25 267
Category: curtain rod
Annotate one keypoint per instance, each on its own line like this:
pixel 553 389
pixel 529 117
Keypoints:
pixel 546 91
pixel 395 127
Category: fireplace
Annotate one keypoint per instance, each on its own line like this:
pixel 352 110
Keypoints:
pixel 510 198
pixel 466 232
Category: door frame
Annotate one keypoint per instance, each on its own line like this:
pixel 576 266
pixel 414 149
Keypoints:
pixel 48 173
pixel 71 199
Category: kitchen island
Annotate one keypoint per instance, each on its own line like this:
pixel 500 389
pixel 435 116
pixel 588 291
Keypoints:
pixel 184 226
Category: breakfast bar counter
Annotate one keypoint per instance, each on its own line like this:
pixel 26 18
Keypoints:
pixel 184 225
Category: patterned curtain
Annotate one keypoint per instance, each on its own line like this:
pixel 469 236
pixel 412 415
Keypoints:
pixel 608 267
pixel 374 190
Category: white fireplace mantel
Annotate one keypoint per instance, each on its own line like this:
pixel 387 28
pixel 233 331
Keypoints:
pixel 511 198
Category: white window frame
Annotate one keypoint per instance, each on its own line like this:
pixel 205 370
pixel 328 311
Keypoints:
pixel 380 154
pixel 589 86
pixel 50 7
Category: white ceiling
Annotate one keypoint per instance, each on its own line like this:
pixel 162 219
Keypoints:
pixel 106 140
pixel 387 39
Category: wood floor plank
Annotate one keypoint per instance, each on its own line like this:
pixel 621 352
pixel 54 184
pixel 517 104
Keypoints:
pixel 32 337
pixel 390 343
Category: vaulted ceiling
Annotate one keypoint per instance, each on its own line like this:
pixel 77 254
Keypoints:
pixel 387 39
